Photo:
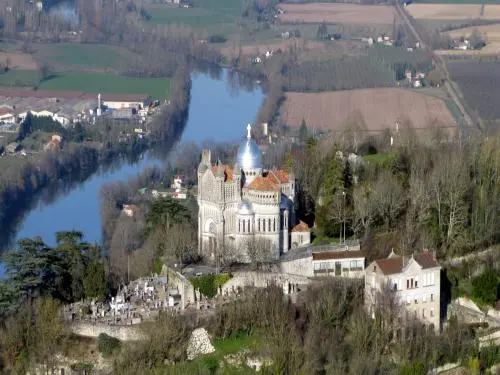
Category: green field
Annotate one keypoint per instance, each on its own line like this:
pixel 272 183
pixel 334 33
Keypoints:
pixel 158 88
pixel 19 78
pixel 86 56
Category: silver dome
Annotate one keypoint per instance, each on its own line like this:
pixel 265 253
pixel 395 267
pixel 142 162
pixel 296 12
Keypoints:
pixel 245 208
pixel 249 155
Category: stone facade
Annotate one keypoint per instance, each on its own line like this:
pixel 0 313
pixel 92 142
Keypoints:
pixel 244 206
pixel 415 282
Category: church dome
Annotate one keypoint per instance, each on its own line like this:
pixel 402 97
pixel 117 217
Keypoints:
pixel 245 208
pixel 249 155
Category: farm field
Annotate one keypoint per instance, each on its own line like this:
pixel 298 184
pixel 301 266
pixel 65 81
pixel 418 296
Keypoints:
pixel 158 88
pixel 337 13
pixel 18 60
pixel 380 108
pixel 478 81
pixel 19 78
pixel 261 48
pixel 453 11
pixel 82 56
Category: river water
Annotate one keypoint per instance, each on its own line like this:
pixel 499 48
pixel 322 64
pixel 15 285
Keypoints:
pixel 222 104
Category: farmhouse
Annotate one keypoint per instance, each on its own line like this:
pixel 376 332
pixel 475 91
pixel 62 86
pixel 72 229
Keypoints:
pixel 120 101
pixel 415 282
pixel 130 209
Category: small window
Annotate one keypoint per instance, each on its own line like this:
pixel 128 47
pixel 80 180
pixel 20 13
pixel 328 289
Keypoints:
pixel 423 313
pixel 374 268
pixel 407 283
pixel 432 313
pixel 432 297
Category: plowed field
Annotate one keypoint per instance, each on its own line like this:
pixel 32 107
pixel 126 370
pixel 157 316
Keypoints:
pixel 379 108
pixel 336 12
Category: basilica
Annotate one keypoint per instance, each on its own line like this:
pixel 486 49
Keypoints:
pixel 244 206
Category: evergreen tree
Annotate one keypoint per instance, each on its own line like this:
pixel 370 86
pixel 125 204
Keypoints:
pixel 303 132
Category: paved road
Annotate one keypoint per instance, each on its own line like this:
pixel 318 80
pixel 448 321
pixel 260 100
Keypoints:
pixel 440 65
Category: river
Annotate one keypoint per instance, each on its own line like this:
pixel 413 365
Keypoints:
pixel 222 103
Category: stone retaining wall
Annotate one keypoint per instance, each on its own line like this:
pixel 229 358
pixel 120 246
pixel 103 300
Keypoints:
pixel 122 333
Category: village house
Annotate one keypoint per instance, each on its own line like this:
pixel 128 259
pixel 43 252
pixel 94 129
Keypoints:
pixel 301 236
pixel 7 115
pixel 130 209
pixel 346 260
pixel 414 281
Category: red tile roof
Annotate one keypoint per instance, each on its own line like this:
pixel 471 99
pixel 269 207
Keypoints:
pixel 5 111
pixel 394 264
pixel 267 183
pixel 301 227
pixel 228 172
pixel 282 176
pixel 391 265
pixel 326 255
pixel 426 260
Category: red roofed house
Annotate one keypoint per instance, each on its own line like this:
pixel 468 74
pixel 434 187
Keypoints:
pixel 245 204
pixel 301 235
pixel 415 282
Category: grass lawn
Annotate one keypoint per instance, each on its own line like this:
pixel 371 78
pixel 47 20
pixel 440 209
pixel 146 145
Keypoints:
pixel 19 78
pixel 382 159
pixel 158 88
pixel 211 362
pixel 90 56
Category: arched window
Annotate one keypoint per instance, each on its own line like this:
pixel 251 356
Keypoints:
pixel 274 225
pixel 248 226
pixel 269 225
pixel 243 225
pixel 258 224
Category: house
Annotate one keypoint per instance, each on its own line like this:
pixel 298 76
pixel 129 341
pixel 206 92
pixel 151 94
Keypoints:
pixel 415 283
pixel 7 115
pixel 55 143
pixel 257 60
pixel 285 35
pixel 301 236
pixel 268 54
pixel 417 83
pixel 177 182
pixel 327 260
pixel 130 209
pixel 119 101
pixel 62 118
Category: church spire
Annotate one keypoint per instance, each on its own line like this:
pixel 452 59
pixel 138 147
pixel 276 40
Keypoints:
pixel 249 128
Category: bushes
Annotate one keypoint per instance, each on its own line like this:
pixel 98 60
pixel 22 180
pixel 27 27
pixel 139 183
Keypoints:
pixel 107 344
pixel 485 287
pixel 217 39
pixel 208 285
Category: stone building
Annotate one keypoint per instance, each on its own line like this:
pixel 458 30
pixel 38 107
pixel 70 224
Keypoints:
pixel 244 206
pixel 415 282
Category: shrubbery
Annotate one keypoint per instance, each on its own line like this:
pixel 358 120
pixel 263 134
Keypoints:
pixel 208 285
pixel 485 287
pixel 107 344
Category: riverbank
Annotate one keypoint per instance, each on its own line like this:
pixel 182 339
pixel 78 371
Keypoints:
pixel 23 180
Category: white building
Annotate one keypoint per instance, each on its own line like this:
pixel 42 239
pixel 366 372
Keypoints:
pixel 121 101
pixel 325 260
pixel 7 116
pixel 415 282
pixel 243 205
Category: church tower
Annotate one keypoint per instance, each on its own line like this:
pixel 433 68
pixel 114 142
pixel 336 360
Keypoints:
pixel 249 158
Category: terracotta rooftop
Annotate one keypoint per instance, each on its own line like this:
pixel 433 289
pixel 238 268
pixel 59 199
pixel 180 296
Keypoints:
pixel 426 260
pixel 326 255
pixel 282 175
pixel 6 111
pixel 301 227
pixel 228 172
pixel 267 183
pixel 391 265
pixel 394 264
